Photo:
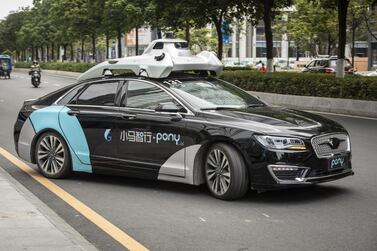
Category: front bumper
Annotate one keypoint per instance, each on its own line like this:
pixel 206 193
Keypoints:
pixel 284 169
pixel 301 175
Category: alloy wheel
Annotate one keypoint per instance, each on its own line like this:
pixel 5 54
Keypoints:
pixel 218 171
pixel 51 154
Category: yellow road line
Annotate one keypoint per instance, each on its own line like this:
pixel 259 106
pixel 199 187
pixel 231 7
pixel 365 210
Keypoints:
pixel 112 230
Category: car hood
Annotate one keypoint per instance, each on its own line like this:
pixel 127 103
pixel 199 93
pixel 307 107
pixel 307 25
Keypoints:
pixel 275 120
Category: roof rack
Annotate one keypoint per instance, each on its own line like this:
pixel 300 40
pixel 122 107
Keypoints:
pixel 160 58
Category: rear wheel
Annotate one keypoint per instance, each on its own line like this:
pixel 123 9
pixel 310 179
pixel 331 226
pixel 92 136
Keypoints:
pixel 52 156
pixel 225 172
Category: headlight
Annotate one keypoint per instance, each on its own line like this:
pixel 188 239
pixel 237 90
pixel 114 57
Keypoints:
pixel 281 143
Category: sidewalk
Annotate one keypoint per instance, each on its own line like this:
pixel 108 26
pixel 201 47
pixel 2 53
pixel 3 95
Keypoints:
pixel 28 224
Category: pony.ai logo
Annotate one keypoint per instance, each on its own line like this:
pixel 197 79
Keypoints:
pixel 107 135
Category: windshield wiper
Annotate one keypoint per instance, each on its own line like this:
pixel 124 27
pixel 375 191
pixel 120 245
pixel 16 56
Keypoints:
pixel 256 105
pixel 219 108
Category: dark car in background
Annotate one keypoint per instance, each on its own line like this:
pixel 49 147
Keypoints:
pixel 327 65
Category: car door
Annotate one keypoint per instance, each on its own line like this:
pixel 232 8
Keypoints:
pixel 96 108
pixel 151 142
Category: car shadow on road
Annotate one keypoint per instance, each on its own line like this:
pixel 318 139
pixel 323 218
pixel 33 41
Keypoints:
pixel 293 195
pixel 298 195
pixel 147 184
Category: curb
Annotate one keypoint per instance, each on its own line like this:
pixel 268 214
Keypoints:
pixel 331 105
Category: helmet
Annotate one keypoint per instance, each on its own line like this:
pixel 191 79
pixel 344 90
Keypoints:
pixel 35 62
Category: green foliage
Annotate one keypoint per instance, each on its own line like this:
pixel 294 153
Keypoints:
pixel 320 85
pixel 239 68
pixel 58 66
pixel 313 25
pixel 200 39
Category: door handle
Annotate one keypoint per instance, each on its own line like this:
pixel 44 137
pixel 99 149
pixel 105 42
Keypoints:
pixel 128 116
pixel 73 112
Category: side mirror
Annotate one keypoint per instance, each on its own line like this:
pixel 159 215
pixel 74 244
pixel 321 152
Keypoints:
pixel 167 107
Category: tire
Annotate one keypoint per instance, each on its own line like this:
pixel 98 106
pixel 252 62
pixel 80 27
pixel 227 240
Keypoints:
pixel 34 83
pixel 225 172
pixel 52 156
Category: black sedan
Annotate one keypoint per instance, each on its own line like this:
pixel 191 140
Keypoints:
pixel 185 128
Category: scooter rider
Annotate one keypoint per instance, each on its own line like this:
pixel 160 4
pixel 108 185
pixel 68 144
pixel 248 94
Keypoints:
pixel 35 66
pixel 35 73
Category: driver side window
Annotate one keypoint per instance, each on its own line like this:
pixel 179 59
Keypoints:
pixel 146 96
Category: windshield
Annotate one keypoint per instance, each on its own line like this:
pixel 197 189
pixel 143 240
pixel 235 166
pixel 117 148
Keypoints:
pixel 207 94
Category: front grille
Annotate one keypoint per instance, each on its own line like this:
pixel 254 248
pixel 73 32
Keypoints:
pixel 286 175
pixel 322 147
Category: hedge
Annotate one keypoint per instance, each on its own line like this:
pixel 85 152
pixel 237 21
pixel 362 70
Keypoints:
pixel 81 67
pixel 305 84
pixel 59 66
pixel 294 83
pixel 239 68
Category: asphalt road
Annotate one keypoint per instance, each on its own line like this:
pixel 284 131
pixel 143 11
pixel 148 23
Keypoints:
pixel 341 215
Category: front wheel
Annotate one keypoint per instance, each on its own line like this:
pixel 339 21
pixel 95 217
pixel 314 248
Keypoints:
pixel 52 156
pixel 35 83
pixel 225 172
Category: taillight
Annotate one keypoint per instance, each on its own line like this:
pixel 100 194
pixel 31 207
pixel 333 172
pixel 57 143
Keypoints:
pixel 329 70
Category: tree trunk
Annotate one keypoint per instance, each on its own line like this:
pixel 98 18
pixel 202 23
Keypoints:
pixel 65 52
pixel 107 45
pixel 119 43
pixel 52 51
pixel 267 4
pixel 297 53
pixel 342 20
pixel 137 41
pixel 329 42
pixel 187 31
pixel 42 53
pixel 72 52
pixel 47 52
pixel 353 43
pixel 36 53
pixel 94 47
pixel 219 36
pixel 82 49
pixel 58 52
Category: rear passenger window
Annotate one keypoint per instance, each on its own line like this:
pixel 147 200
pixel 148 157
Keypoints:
pixel 102 94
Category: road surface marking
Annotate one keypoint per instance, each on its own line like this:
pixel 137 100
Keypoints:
pixel 202 219
pixel 266 215
pixel 112 230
